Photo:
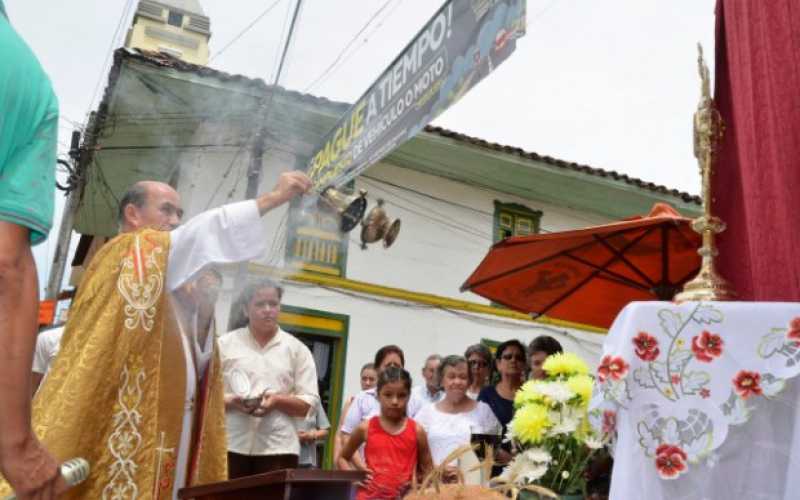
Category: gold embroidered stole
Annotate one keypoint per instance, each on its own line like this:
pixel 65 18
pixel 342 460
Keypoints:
pixel 115 393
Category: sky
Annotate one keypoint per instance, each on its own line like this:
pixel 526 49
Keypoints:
pixel 611 84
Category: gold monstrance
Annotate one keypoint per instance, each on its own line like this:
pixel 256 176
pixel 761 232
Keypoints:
pixel 708 131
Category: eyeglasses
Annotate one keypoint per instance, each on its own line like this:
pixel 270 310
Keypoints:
pixel 509 357
pixel 479 363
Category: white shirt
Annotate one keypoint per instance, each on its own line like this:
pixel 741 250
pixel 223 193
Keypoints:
pixel 283 366
pixel 422 397
pixel 228 234
pixel 48 343
pixel 365 405
pixel 448 431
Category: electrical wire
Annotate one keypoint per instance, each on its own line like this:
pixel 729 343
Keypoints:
pixel 347 46
pixel 125 13
pixel 245 30
pixel 268 106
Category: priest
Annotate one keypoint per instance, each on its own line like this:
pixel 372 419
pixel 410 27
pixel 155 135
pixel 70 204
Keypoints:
pixel 134 389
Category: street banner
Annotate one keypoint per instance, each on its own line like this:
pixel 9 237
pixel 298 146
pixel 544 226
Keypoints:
pixel 461 44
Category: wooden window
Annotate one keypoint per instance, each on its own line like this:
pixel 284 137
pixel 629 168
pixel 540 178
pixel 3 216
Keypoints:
pixel 512 219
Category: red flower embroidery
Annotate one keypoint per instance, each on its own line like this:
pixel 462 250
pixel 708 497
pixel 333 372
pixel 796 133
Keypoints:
pixel 670 461
pixel 705 393
pixel 707 346
pixel 747 384
pixel 794 331
pixel 676 379
pixel 609 422
pixel 646 346
pixel 614 367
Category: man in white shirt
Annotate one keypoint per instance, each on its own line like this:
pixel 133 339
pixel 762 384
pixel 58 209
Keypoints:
pixel 270 379
pixel 430 391
pixel 48 343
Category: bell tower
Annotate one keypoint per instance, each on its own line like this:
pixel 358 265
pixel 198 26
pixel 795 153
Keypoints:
pixel 179 28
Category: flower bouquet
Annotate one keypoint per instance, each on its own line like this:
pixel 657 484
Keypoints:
pixel 550 429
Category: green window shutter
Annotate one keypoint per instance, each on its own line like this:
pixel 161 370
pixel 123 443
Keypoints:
pixel 513 219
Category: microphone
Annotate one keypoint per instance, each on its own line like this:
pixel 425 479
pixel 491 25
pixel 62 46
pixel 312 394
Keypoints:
pixel 74 471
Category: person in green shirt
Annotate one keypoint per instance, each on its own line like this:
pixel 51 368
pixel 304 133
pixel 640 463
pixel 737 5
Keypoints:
pixel 28 136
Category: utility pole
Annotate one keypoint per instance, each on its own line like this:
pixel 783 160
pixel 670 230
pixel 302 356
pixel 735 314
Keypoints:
pixel 257 152
pixel 73 190
pixel 256 160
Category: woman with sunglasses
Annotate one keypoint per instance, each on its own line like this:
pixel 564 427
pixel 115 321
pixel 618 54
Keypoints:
pixel 479 361
pixel 510 364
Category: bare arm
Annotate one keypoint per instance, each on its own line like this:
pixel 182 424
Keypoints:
pixel 290 405
pixel 27 466
pixel 424 460
pixel 289 185
pixel 354 442
pixel 339 439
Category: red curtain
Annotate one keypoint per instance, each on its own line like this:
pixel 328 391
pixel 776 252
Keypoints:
pixel 757 181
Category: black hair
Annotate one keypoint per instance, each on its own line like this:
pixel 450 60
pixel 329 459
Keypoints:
pixel 394 374
pixel 385 351
pixel 546 344
pixel 498 355
pixel 452 361
pixel 136 195
pixel 367 366
pixel 238 317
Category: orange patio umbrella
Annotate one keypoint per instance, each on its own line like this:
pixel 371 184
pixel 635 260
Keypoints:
pixel 589 275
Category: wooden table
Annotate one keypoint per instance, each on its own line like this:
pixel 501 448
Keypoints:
pixel 287 484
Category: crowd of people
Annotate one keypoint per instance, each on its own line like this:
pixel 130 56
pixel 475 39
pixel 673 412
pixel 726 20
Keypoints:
pixel 391 428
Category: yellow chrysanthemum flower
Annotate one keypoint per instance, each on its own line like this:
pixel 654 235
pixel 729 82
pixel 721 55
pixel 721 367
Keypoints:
pixel 582 386
pixel 530 423
pixel 528 394
pixel 565 363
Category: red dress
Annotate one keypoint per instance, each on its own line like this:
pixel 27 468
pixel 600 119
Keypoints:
pixel 391 458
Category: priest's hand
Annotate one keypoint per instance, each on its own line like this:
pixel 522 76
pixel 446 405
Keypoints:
pixel 32 472
pixel 289 185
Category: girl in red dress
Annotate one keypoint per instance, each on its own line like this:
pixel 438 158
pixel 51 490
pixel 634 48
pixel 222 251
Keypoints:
pixel 395 446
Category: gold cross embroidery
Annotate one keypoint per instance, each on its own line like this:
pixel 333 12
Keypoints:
pixel 160 451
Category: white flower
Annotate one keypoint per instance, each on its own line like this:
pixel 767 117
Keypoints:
pixel 567 424
pixel 526 467
pixel 537 455
pixel 593 442
pixel 565 474
pixel 556 391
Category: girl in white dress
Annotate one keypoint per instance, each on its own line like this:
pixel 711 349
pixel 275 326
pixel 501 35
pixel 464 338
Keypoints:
pixel 451 422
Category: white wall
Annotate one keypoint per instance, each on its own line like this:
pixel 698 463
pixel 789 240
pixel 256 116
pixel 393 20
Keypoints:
pixel 418 330
pixel 441 242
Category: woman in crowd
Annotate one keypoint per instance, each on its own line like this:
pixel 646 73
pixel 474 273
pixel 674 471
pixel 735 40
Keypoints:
pixel 538 350
pixel 395 447
pixel 510 364
pixel 451 422
pixel 479 361
pixel 369 378
pixel 270 378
